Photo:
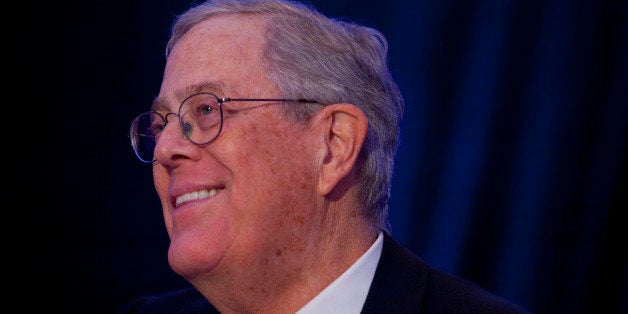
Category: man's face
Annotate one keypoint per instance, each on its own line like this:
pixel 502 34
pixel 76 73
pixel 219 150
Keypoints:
pixel 262 167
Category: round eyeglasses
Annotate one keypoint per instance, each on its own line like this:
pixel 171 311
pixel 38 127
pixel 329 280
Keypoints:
pixel 200 118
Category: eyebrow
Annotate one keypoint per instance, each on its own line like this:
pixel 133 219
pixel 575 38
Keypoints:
pixel 161 103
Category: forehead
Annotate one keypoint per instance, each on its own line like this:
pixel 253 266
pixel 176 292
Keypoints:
pixel 223 52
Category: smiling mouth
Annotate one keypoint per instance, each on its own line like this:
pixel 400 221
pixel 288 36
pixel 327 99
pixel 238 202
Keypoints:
pixel 196 195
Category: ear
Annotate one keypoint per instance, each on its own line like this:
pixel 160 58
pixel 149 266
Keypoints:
pixel 345 131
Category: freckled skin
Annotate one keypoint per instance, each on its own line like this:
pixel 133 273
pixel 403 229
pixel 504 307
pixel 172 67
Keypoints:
pixel 260 243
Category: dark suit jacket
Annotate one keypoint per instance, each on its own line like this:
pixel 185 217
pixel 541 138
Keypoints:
pixel 403 283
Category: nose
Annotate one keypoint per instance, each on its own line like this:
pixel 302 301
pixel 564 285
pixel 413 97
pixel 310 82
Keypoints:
pixel 172 145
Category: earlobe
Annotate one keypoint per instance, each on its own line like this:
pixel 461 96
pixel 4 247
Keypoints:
pixel 345 134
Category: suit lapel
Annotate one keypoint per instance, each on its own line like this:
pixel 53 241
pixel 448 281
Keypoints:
pixel 399 282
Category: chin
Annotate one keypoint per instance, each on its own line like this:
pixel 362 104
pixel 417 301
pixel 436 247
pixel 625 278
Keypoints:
pixel 189 258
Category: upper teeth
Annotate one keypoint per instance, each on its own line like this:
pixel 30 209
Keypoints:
pixel 196 195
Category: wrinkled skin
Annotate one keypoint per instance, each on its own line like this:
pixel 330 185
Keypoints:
pixel 270 238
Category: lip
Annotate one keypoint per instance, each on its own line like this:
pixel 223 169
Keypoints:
pixel 196 195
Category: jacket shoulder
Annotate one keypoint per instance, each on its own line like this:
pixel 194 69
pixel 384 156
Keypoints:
pixel 405 283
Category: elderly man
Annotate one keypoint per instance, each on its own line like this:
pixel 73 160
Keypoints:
pixel 272 143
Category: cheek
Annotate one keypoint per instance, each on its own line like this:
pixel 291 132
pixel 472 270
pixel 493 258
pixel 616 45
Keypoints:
pixel 275 157
pixel 160 180
pixel 274 168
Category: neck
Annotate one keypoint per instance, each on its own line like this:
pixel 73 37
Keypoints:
pixel 285 281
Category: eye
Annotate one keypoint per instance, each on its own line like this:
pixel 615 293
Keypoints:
pixel 200 106
pixel 156 126
pixel 204 110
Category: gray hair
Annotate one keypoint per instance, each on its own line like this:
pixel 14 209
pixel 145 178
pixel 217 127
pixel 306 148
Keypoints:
pixel 331 61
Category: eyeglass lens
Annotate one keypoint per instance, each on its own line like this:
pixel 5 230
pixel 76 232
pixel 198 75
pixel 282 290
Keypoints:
pixel 199 116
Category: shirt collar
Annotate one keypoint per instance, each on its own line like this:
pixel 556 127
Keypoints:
pixel 348 292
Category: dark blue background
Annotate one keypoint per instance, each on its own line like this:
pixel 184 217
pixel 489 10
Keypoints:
pixel 511 171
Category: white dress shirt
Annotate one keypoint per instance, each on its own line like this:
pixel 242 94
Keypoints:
pixel 346 295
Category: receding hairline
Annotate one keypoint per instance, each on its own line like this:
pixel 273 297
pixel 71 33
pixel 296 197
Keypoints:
pixel 261 17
